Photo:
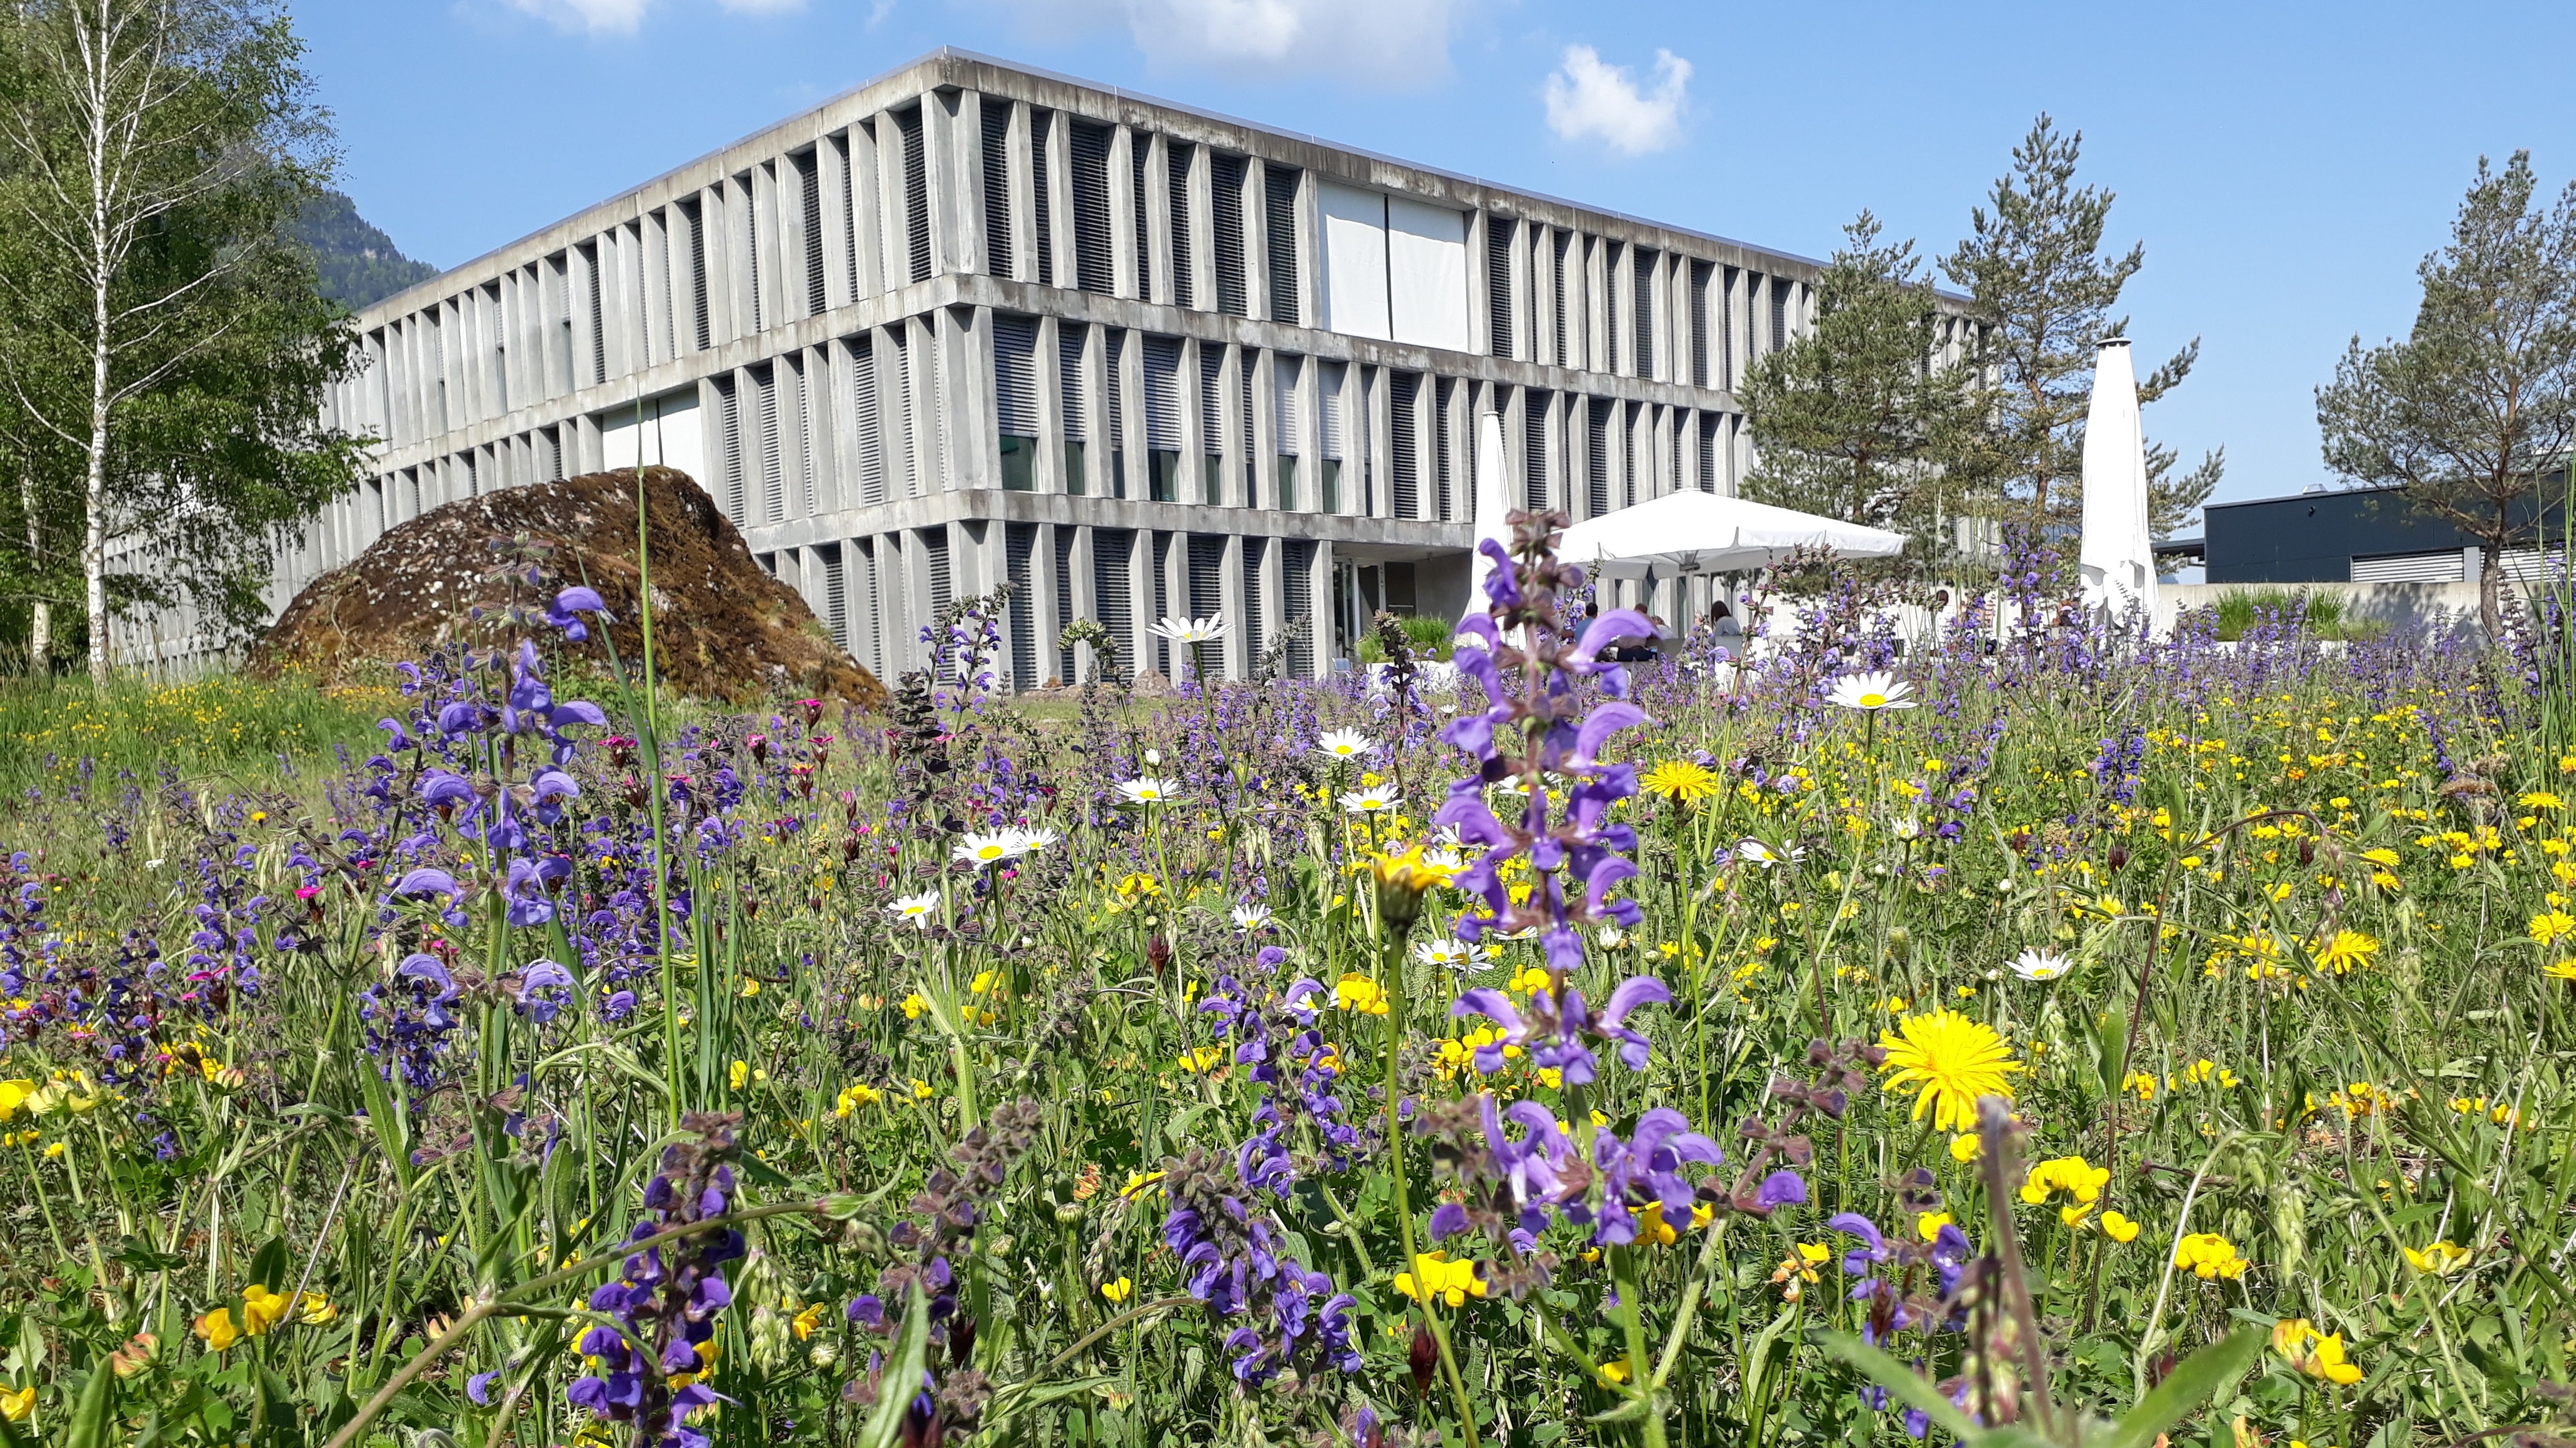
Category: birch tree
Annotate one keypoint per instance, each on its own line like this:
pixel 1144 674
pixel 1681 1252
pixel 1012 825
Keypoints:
pixel 164 330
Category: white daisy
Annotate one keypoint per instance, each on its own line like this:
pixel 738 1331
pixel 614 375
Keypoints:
pixel 1037 839
pixel 1149 790
pixel 1346 744
pixel 1447 861
pixel 1448 953
pixel 1754 852
pixel 916 908
pixel 1871 692
pixel 1190 630
pixel 2040 965
pixel 1611 937
pixel 993 847
pixel 1376 799
pixel 1249 918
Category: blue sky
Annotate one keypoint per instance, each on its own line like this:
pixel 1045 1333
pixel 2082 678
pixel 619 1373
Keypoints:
pixel 2285 165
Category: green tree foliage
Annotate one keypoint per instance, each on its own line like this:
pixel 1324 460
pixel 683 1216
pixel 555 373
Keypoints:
pixel 156 321
pixel 1865 417
pixel 2034 263
pixel 2467 414
pixel 356 264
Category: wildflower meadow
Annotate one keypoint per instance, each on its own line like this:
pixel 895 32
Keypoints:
pixel 2026 1032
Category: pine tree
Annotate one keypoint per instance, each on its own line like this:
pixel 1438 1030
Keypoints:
pixel 1865 416
pixel 2478 404
pixel 2034 263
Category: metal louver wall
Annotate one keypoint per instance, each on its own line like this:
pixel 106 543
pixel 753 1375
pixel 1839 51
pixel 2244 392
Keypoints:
pixel 598 326
pixel 804 404
pixel 836 594
pixel 729 449
pixel 1613 354
pixel 1779 313
pixel 809 183
pixel 1444 400
pixel 1499 232
pixel 1707 479
pixel 997 186
pixel 916 193
pixel 1113 416
pixel 1212 399
pixel 1069 337
pixel 1596 462
pixel 1092 269
pixel 1041 130
pixel 1300 591
pixel 746 205
pixel 1163 393
pixel 903 452
pixel 1111 550
pixel 1207 575
pixel 1176 170
pixel 840 145
pixel 1225 194
pixel 1015 374
pixel 1140 155
pixel 1700 274
pixel 1643 269
pixel 1402 433
pixel 1329 380
pixel 871 650
pixel 867 428
pixel 700 327
pixel 1281 216
pixel 1255 551
pixel 1158 554
pixel 1534 450
pixel 1064 534
pixel 1019 540
pixel 773 471
pixel 945 661
pixel 1556 280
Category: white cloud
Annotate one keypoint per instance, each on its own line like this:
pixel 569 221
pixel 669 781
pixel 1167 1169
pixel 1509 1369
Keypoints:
pixel 621 17
pixel 1394 43
pixel 1586 98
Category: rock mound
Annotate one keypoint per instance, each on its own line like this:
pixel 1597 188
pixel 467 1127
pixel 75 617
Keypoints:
pixel 722 627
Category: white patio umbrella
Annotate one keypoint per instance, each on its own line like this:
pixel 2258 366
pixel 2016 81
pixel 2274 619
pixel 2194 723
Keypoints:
pixel 2117 558
pixel 1691 532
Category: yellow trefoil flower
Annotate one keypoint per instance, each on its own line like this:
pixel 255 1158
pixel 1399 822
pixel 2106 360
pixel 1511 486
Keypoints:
pixel 1357 992
pixel 2119 1228
pixel 1118 1291
pixel 2210 1255
pixel 1434 1275
pixel 2319 1355
pixel 2442 1259
pixel 217 1329
pixel 18 1406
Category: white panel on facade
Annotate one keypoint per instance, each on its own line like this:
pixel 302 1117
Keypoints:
pixel 2443 567
pixel 674 435
pixel 1355 300
pixel 1426 263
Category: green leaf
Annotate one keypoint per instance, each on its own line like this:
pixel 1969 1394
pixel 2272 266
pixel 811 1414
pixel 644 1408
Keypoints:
pixel 2201 1377
pixel 94 1416
pixel 268 1267
pixel 901 1382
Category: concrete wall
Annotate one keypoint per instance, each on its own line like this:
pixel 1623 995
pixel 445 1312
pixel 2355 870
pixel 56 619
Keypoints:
pixel 2449 609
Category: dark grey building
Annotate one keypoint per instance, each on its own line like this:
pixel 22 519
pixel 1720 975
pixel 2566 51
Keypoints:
pixel 2357 536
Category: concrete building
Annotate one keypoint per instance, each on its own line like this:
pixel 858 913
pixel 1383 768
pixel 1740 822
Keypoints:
pixel 972 322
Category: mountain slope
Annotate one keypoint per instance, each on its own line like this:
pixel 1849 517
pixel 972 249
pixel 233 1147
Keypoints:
pixel 358 264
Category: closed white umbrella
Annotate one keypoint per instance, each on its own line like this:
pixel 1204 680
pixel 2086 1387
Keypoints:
pixel 1694 532
pixel 1493 501
pixel 2116 557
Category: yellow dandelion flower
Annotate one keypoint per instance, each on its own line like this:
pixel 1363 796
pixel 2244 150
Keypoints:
pixel 1946 1062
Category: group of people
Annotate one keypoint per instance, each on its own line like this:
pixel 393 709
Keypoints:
pixel 1720 625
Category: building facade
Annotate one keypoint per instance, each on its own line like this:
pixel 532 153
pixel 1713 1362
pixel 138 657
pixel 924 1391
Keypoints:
pixel 972 323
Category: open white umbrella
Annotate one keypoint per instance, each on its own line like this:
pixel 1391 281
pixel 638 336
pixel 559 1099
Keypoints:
pixel 2116 557
pixel 1694 532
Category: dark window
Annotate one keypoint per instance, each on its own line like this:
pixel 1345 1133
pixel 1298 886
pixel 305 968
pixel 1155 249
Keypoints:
pixel 1282 218
pixel 1063 600
pixel 997 186
pixel 836 594
pixel 773 468
pixel 598 327
pixel 1212 422
pixel 729 449
pixel 1113 418
pixel 1225 193
pixel 1498 282
pixel 1444 396
pixel 1163 417
pixel 1564 255
pixel 1207 577
pixel 1092 269
pixel 1609 362
pixel 1111 551
pixel 943 587
pixel 1069 349
pixel 916 192
pixel 1779 313
pixel 1254 550
pixel 747 205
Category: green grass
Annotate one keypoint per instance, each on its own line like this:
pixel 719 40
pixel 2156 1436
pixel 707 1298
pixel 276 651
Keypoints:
pixel 219 723
pixel 2323 617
